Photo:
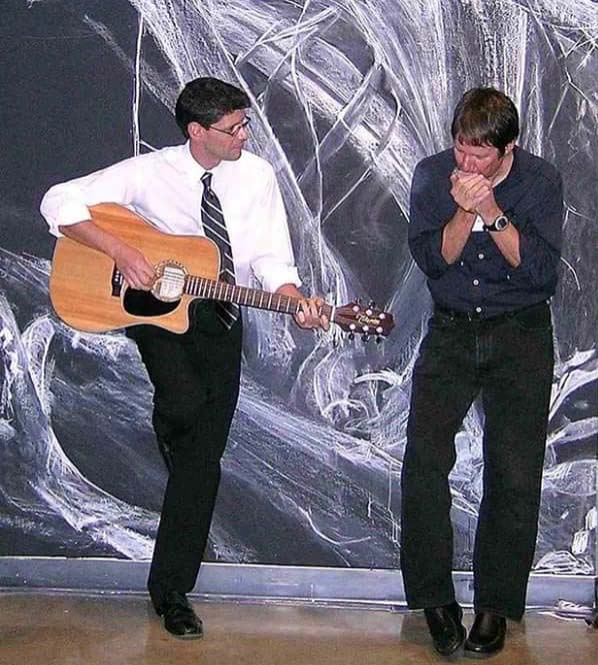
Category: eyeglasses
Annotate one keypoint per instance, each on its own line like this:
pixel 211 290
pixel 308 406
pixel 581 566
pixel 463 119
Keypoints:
pixel 233 131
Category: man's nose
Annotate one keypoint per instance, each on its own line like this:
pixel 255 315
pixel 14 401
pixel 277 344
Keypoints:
pixel 467 164
pixel 243 133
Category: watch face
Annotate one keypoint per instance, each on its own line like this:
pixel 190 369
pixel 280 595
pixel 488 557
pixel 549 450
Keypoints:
pixel 501 223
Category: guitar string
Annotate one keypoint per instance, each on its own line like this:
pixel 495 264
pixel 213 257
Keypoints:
pixel 244 294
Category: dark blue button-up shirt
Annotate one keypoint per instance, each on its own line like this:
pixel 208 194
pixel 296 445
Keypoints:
pixel 481 281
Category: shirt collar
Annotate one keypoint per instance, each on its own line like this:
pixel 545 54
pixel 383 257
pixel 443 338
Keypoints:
pixel 189 166
pixel 193 169
pixel 183 161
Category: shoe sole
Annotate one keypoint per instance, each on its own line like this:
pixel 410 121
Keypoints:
pixel 188 636
pixel 185 636
pixel 480 655
pixel 455 655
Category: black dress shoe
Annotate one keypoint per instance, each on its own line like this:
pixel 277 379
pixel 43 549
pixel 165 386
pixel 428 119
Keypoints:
pixel 487 635
pixel 445 627
pixel 179 618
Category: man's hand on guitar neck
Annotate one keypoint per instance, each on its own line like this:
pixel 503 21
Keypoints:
pixel 309 315
pixel 135 268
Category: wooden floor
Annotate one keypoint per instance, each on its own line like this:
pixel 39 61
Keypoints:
pixel 68 629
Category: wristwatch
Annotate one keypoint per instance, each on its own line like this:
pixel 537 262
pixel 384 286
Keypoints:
pixel 499 224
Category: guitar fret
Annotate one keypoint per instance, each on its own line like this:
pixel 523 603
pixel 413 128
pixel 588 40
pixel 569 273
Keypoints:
pixel 242 295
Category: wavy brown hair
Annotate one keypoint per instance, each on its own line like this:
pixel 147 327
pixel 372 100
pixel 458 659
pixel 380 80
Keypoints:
pixel 485 116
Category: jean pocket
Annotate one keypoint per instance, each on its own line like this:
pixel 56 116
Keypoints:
pixel 441 321
pixel 534 319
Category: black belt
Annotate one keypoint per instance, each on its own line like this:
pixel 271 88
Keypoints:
pixel 475 316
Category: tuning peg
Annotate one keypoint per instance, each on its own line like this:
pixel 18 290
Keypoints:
pixel 372 304
pixel 365 338
pixel 379 339
pixel 351 336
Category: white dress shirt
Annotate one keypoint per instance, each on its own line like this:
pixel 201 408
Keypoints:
pixel 165 188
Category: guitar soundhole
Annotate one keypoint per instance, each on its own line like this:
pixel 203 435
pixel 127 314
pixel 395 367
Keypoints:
pixel 143 303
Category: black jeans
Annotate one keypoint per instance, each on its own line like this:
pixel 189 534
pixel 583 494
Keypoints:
pixel 196 386
pixel 510 361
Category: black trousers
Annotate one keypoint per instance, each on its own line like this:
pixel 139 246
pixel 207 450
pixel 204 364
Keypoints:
pixel 196 386
pixel 510 361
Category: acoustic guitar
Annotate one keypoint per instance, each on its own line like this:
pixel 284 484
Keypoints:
pixel 89 293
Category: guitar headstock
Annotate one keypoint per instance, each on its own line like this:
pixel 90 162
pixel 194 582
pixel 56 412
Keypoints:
pixel 366 320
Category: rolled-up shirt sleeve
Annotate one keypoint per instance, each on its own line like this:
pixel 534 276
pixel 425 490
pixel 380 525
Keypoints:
pixel 275 265
pixel 426 224
pixel 68 202
pixel 540 233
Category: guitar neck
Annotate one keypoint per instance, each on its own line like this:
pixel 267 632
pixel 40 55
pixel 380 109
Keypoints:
pixel 243 295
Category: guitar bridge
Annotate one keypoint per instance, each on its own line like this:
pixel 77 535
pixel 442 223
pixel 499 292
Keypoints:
pixel 117 282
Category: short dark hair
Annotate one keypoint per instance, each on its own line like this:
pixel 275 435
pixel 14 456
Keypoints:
pixel 205 100
pixel 485 116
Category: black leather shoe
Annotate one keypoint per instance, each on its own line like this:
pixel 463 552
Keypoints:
pixel 179 618
pixel 487 635
pixel 445 627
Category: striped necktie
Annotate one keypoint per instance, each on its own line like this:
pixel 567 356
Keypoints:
pixel 215 229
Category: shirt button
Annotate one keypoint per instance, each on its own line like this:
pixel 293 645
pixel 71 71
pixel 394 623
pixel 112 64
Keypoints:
pixel 478 310
pixel 476 282
pixel 481 255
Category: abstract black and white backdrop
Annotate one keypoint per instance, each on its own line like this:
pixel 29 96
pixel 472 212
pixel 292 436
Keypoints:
pixel 347 96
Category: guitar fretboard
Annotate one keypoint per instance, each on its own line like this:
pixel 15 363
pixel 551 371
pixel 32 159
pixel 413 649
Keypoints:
pixel 243 295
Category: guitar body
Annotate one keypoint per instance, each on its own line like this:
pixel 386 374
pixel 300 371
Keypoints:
pixel 84 285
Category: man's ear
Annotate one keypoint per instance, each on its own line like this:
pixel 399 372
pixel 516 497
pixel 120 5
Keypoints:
pixel 509 147
pixel 195 130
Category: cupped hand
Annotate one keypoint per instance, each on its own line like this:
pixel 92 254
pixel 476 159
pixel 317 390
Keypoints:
pixel 472 191
pixel 135 268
